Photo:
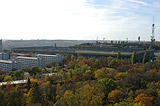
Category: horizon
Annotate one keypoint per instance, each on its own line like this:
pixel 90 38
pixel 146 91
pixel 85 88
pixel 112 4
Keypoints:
pixel 79 19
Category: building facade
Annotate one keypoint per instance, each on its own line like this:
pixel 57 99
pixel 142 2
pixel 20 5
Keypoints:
pixel 6 65
pixel 48 59
pixel 4 56
pixel 21 62
pixel 1 45
pixel 26 62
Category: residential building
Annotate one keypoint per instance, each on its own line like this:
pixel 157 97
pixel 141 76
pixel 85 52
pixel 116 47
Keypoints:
pixel 1 46
pixel 6 65
pixel 48 59
pixel 21 62
pixel 26 62
pixel 4 56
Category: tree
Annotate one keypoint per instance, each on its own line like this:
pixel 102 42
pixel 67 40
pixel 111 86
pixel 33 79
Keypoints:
pixel 73 58
pixel 90 95
pixel 119 55
pixel 104 72
pixel 8 78
pixel 2 98
pixel 35 70
pixel 108 84
pixel 145 58
pixel 133 58
pixel 28 84
pixel 120 75
pixel 123 104
pixel 114 96
pixel 70 99
pixel 34 94
pixel 144 99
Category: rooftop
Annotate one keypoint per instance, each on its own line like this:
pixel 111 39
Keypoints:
pixel 21 57
pixel 5 61
pixel 45 55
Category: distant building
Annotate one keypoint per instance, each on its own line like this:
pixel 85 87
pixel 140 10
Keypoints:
pixel 21 62
pixel 4 56
pixel 1 46
pixel 6 65
pixel 48 59
pixel 26 62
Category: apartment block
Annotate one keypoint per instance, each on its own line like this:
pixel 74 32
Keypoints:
pixel 21 62
pixel 48 59
pixel 26 62
pixel 4 56
pixel 6 65
pixel 1 46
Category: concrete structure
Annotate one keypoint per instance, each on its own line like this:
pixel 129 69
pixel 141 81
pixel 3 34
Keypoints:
pixel 1 45
pixel 94 51
pixel 41 60
pixel 6 65
pixel 26 62
pixel 21 62
pixel 48 59
pixel 4 56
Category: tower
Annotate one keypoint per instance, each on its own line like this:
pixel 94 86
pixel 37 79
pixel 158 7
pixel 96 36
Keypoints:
pixel 1 46
pixel 153 28
pixel 139 39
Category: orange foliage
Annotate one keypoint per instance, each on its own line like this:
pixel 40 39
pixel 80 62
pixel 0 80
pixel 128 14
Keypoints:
pixel 114 96
pixel 116 76
pixel 144 99
pixel 9 87
pixel 75 78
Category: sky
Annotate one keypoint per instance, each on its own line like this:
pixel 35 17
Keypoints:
pixel 79 19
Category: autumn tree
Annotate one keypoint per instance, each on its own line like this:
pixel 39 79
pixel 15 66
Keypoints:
pixel 144 99
pixel 104 72
pixel 123 104
pixel 34 94
pixel 70 99
pixel 114 96
pixel 108 84
pixel 90 95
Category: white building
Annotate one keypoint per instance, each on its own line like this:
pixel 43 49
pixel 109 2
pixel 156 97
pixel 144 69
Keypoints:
pixel 6 65
pixel 48 59
pixel 21 62
pixel 26 62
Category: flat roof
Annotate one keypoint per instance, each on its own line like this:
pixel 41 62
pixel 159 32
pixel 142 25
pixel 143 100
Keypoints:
pixel 27 57
pixel 45 55
pixel 5 61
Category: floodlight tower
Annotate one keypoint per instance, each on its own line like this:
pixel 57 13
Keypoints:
pixel 153 28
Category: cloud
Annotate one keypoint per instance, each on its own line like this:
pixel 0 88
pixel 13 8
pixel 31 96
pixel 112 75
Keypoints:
pixel 139 2
pixel 72 19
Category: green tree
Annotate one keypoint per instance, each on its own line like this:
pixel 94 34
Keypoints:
pixel 123 104
pixel 108 84
pixel 8 78
pixel 119 55
pixel 35 70
pixel 90 95
pixel 133 58
pixel 145 58
pixel 70 99
pixel 104 72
